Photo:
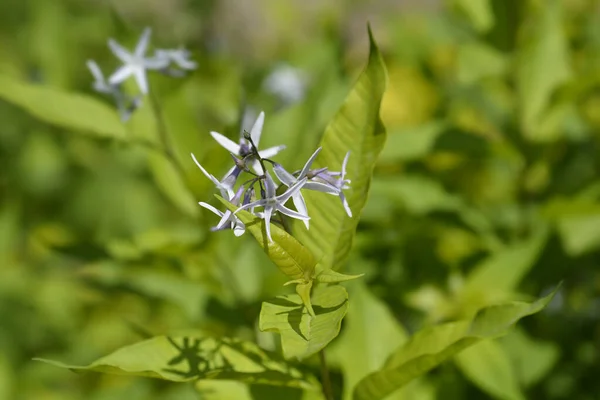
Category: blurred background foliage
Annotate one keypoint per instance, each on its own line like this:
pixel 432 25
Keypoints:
pixel 488 188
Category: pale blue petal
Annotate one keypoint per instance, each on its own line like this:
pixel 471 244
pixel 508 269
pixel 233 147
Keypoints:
pixel 140 77
pixel 285 177
pixel 292 190
pixel 227 143
pixel 211 208
pixel 120 52
pixel 301 206
pixel 140 48
pixel 267 217
pixel 321 187
pixel 291 213
pixel 271 151
pixel 256 130
pixel 309 164
pixel 120 75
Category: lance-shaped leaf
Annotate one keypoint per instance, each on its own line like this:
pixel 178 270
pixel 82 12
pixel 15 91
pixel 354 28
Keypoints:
pixel 290 256
pixel 301 334
pixel 356 128
pixel 331 276
pixel 71 111
pixel 187 358
pixel 430 347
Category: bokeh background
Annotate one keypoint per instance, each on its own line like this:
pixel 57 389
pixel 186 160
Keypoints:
pixel 488 187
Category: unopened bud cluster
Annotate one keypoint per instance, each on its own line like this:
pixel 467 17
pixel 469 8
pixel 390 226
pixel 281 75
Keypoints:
pixel 259 191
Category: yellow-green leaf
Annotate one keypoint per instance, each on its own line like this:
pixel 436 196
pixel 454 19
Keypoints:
pixel 71 111
pixel 488 366
pixel 290 256
pixel 432 346
pixel 187 358
pixel 356 128
pixel 301 334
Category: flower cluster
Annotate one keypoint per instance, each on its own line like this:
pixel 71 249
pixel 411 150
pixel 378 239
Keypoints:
pixel 135 64
pixel 248 159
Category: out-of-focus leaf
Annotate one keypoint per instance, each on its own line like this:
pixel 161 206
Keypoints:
pixel 72 111
pixel 533 359
pixel 222 390
pixel 370 335
pixel 578 223
pixel 498 275
pixel 301 334
pixel 187 358
pixel 290 256
pixel 411 144
pixel 432 346
pixel 477 61
pixel 172 183
pixel 479 12
pixel 487 365
pixel 542 66
pixel 356 128
pixel 189 295
pixel 418 194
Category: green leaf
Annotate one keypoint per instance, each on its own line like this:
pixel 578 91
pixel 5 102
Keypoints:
pixel 301 334
pixel 479 12
pixel 542 66
pixel 187 358
pixel 67 110
pixel 498 275
pixel 331 276
pixel 356 128
pixel 290 256
pixel 532 358
pixel 371 333
pixel 488 366
pixel 412 143
pixel 478 60
pixel 432 346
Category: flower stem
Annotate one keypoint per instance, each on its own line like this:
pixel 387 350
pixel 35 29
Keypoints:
pixel 163 134
pixel 325 379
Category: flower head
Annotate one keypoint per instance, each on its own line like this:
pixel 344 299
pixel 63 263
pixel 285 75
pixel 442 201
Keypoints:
pixel 272 203
pixel 289 180
pixel 234 222
pixel 335 179
pixel 244 147
pixel 135 64
pixel 180 57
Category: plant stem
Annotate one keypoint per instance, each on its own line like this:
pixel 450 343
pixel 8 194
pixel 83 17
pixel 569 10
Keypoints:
pixel 325 379
pixel 164 135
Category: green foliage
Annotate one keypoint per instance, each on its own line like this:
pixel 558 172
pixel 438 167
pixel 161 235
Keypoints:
pixel 187 358
pixel 302 334
pixel 357 128
pixel 66 110
pixel 432 346
pixel 474 166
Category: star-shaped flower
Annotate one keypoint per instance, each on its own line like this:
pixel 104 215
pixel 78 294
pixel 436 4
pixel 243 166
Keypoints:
pixel 234 223
pixel 125 105
pixel 271 202
pixel 244 149
pixel 135 64
pixel 100 84
pixel 289 180
pixel 181 57
pixel 337 180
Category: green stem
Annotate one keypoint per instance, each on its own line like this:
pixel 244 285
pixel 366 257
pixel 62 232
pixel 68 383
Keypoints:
pixel 325 379
pixel 163 134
